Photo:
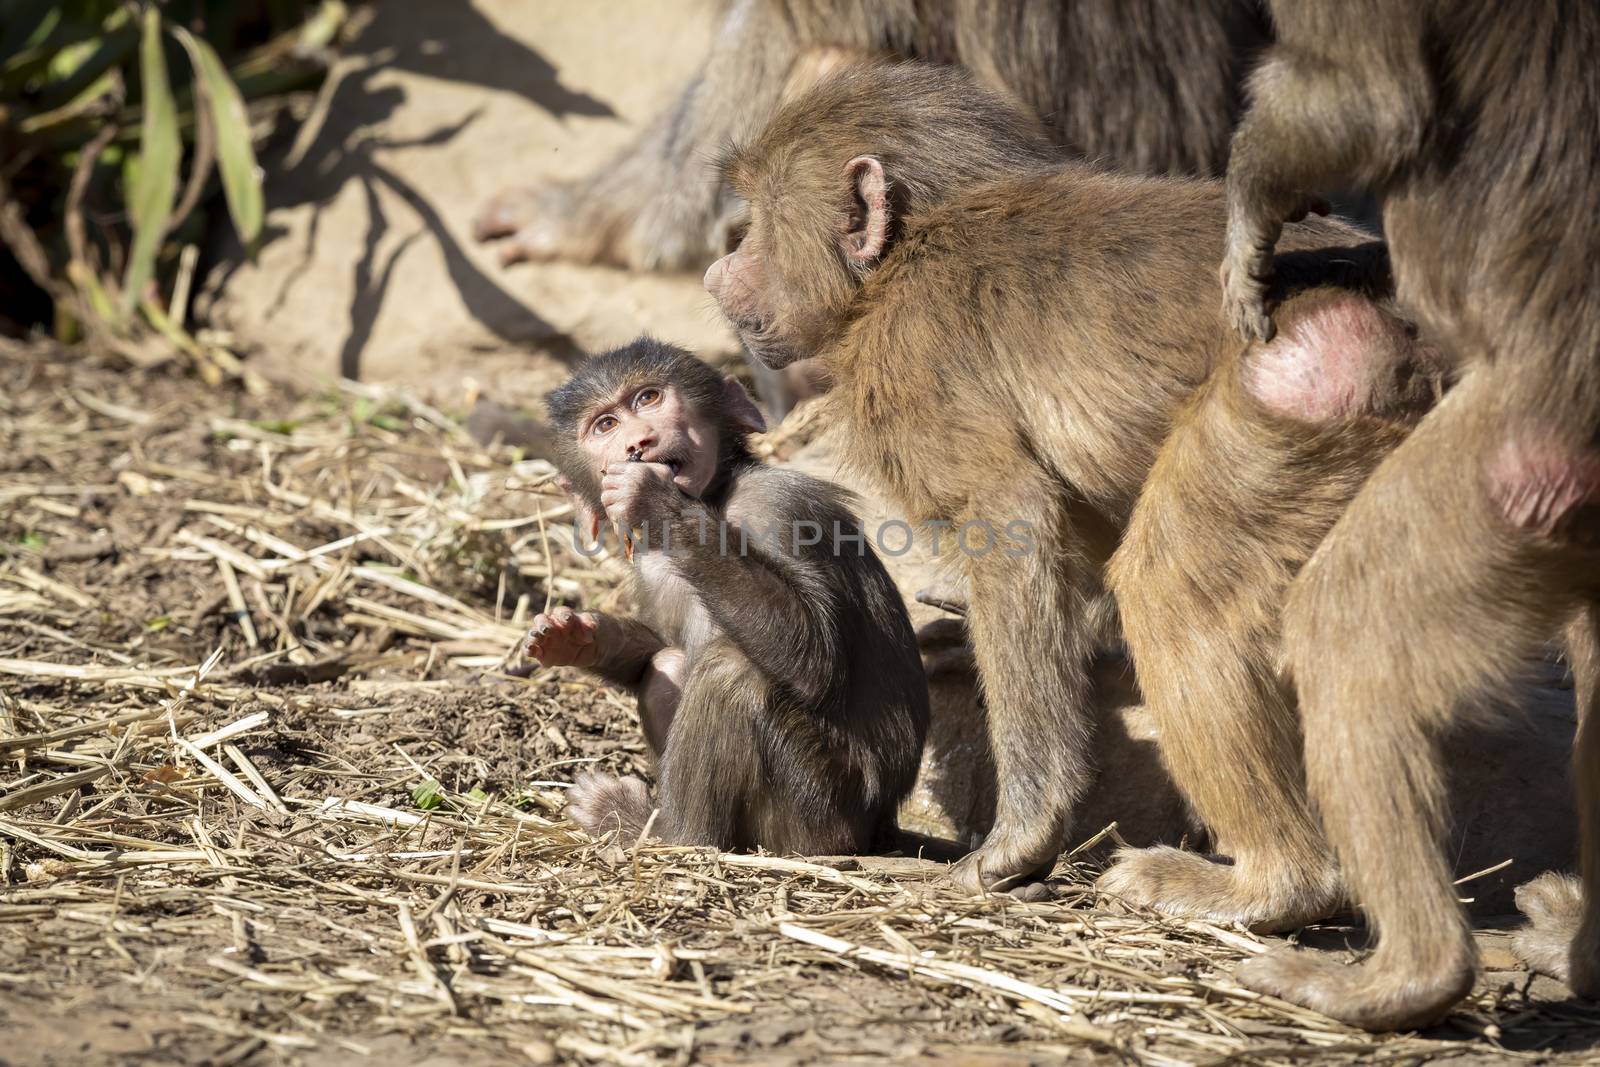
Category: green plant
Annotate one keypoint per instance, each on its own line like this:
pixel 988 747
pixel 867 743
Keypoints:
pixel 117 118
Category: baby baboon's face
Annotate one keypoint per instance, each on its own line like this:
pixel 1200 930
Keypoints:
pixel 654 424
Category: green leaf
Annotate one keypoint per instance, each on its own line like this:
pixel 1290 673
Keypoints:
pixel 27 23
pixel 151 201
pixel 283 426
pixel 157 624
pixel 84 83
pixel 427 795
pixel 236 158
pixel 476 795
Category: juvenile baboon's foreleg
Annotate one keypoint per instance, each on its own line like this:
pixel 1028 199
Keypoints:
pixel 1311 123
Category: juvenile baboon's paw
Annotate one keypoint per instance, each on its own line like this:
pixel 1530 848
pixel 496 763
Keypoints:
pixel 1183 883
pixel 1359 994
pixel 1005 865
pixel 1553 904
pixel 602 803
pixel 1244 295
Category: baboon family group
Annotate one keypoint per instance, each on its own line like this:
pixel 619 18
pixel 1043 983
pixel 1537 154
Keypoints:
pixel 1068 262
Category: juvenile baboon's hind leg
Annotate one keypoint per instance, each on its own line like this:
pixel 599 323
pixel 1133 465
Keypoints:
pixel 1200 612
pixel 1562 938
pixel 1449 568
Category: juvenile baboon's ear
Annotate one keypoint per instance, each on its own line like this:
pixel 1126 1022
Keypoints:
pixel 868 229
pixel 742 411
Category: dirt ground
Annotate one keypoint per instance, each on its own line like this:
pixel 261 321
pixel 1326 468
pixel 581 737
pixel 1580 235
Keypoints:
pixel 369 269
pixel 267 797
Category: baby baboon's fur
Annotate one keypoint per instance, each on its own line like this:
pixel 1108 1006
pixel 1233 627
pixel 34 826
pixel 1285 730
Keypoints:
pixel 776 669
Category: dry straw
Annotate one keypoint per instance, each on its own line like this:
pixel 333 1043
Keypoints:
pixel 209 815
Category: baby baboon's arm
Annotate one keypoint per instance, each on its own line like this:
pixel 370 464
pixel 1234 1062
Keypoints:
pixel 615 647
pixel 753 567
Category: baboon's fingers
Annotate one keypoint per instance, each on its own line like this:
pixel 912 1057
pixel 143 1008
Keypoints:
pixel 1244 302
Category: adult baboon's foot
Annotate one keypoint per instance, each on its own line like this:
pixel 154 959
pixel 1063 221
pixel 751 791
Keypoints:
pixel 1008 864
pixel 540 222
pixel 1383 993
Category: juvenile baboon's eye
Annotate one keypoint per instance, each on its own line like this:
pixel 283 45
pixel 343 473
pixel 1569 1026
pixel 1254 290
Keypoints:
pixel 604 424
pixel 647 397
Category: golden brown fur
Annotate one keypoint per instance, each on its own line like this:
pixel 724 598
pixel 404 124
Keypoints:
pixel 1014 337
pixel 1477 124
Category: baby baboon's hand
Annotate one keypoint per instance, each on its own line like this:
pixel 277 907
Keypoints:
pixel 563 638
pixel 636 493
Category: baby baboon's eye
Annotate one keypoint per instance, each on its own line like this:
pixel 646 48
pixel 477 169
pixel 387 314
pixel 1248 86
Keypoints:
pixel 647 397
pixel 604 424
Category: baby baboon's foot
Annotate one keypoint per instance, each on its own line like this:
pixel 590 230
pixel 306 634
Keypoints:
pixel 604 803
pixel 1553 943
pixel 1006 864
pixel 1183 883
pixel 1371 995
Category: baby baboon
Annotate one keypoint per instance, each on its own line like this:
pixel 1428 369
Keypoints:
pixel 1477 125
pixel 1012 339
pixel 777 673
pixel 1150 85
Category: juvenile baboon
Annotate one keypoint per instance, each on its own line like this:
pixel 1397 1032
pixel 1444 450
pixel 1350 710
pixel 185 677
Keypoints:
pixel 777 674
pixel 1149 85
pixel 1477 125
pixel 1012 337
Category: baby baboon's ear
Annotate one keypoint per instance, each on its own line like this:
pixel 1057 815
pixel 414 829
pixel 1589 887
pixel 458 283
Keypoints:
pixel 742 411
